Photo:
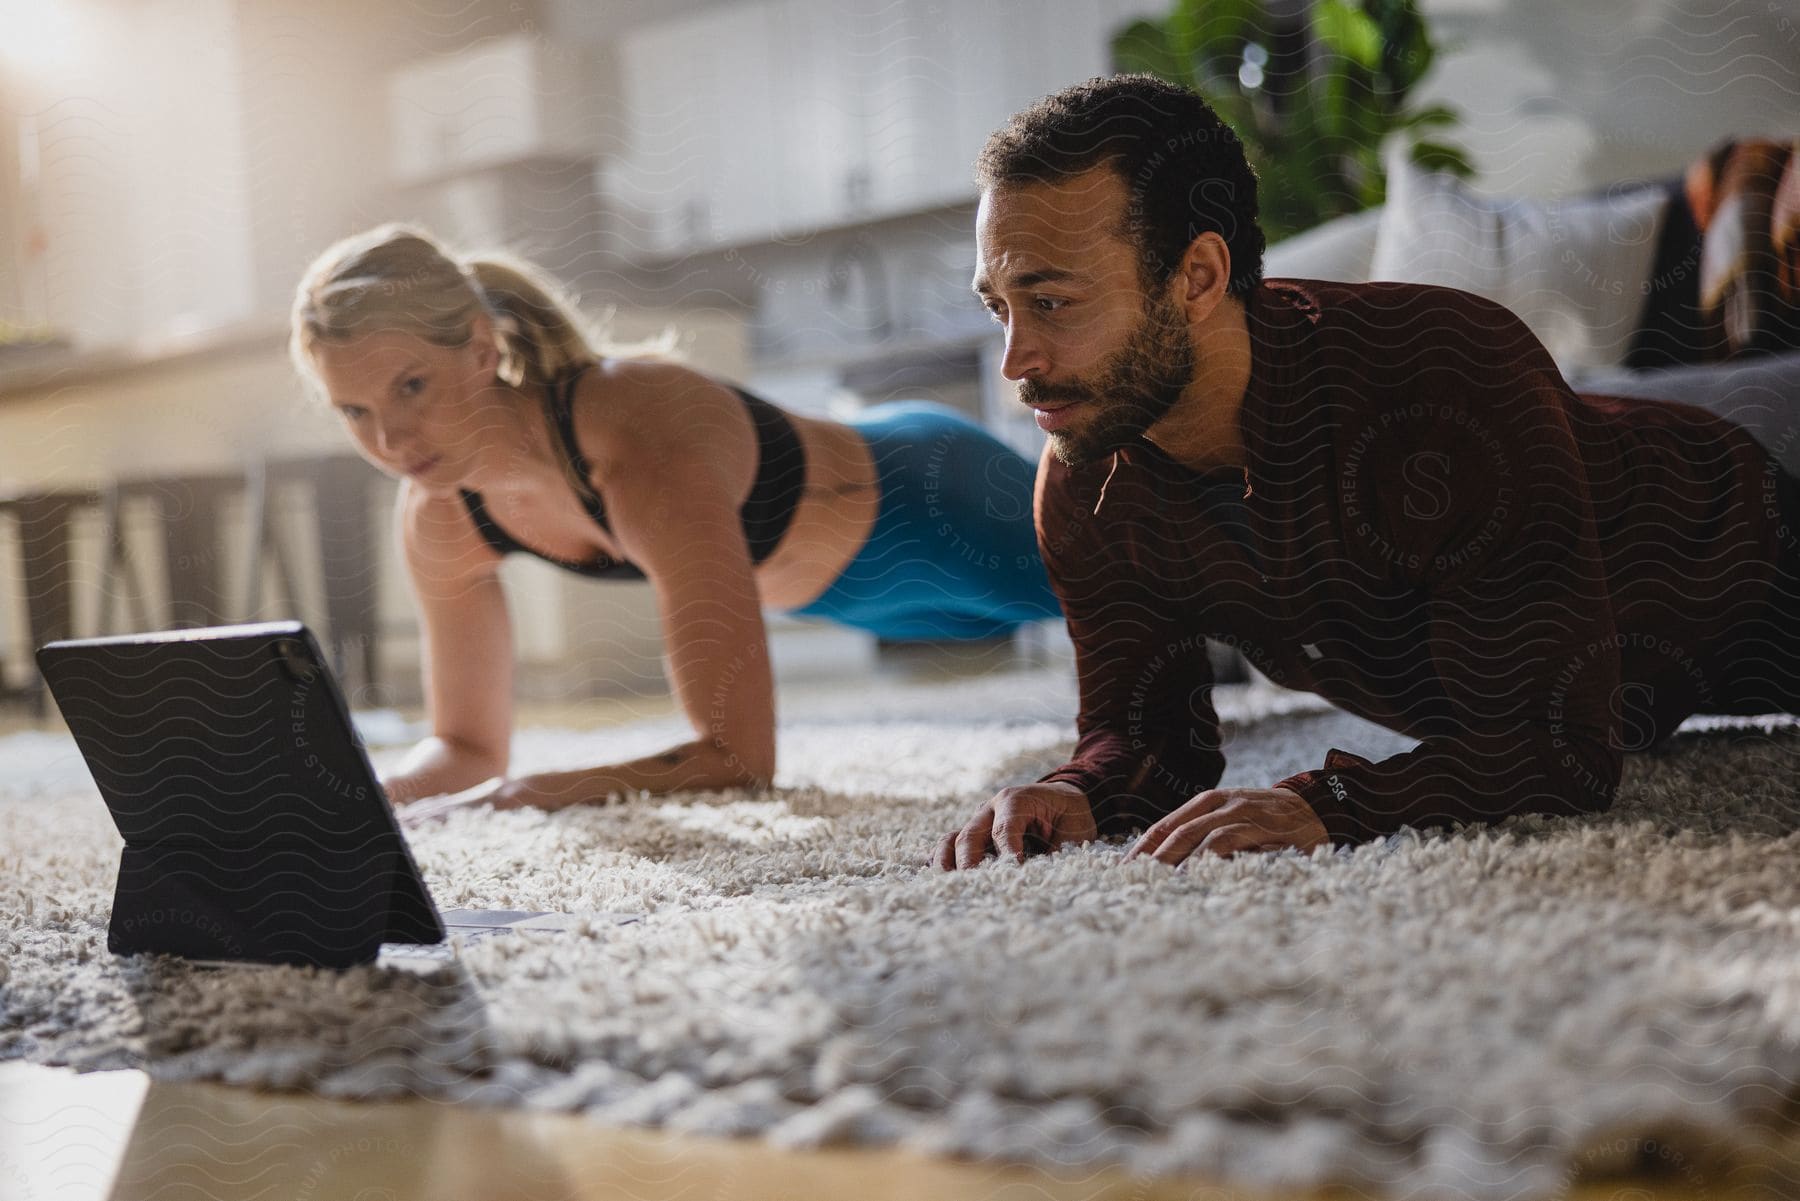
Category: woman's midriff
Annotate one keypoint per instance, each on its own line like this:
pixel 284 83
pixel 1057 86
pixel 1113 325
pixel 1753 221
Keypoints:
pixel 836 513
pixel 834 518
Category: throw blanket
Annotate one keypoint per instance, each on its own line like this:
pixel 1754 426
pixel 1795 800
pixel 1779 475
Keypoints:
pixel 1726 282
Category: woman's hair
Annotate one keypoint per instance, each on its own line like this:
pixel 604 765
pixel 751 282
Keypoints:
pixel 396 278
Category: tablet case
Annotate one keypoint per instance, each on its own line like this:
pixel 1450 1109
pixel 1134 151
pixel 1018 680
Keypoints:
pixel 255 828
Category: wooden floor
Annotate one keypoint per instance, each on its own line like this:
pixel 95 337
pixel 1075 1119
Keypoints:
pixel 114 1136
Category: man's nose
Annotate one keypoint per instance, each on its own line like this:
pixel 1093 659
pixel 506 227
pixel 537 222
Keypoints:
pixel 1025 355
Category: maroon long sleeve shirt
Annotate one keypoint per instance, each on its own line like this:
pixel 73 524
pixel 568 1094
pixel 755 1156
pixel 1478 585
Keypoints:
pixel 1434 533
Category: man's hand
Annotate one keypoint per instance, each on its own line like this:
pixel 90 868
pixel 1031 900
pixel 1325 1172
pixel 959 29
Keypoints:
pixel 1051 814
pixel 1224 821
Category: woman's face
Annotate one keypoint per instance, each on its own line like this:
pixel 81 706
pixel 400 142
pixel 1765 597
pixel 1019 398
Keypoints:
pixel 414 408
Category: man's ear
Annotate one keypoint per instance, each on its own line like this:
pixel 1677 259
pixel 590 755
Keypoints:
pixel 1205 276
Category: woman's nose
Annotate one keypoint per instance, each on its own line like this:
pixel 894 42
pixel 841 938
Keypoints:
pixel 390 437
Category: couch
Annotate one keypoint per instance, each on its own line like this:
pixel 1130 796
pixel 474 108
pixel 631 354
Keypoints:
pixel 1676 289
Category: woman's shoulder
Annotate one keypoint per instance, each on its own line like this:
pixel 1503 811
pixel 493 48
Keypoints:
pixel 437 529
pixel 629 382
pixel 626 405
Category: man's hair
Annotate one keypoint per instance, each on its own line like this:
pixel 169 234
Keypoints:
pixel 1184 168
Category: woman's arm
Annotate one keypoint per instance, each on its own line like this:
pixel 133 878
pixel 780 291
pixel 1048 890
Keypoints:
pixel 668 448
pixel 467 645
pixel 672 467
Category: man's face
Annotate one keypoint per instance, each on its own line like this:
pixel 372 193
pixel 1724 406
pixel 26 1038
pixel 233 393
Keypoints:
pixel 1098 357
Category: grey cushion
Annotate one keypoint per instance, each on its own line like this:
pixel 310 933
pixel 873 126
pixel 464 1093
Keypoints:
pixel 1572 269
pixel 1761 394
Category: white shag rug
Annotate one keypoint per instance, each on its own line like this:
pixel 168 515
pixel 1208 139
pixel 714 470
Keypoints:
pixel 1479 1013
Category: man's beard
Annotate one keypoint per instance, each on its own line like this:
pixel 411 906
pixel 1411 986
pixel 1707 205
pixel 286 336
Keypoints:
pixel 1133 389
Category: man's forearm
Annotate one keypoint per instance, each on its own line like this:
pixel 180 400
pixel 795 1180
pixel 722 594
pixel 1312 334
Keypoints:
pixel 1133 779
pixel 1466 779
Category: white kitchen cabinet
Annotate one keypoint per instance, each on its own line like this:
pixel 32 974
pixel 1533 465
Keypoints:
pixel 743 178
pixel 667 85
pixel 545 209
pixel 503 100
pixel 770 120
pixel 898 67
pixel 765 121
pixel 699 102
pixel 818 144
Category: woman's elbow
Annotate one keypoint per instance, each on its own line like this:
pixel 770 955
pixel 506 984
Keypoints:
pixel 493 757
pixel 749 765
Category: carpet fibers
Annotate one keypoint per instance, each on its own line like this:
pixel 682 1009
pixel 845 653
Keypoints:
pixel 1484 1012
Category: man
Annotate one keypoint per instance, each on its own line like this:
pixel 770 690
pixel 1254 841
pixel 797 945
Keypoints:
pixel 1382 493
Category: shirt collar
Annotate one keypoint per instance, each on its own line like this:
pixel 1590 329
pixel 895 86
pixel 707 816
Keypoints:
pixel 1278 313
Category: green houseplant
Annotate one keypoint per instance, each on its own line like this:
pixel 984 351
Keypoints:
pixel 1313 97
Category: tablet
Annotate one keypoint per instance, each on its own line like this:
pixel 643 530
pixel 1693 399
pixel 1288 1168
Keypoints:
pixel 255 828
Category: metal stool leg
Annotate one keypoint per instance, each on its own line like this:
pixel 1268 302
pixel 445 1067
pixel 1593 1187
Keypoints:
pixel 190 513
pixel 44 538
pixel 266 544
pixel 118 570
pixel 342 498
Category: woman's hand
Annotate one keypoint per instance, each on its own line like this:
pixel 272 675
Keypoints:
pixel 438 766
pixel 544 790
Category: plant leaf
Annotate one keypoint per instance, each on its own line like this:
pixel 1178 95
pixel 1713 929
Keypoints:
pixel 1220 27
pixel 1408 56
pixel 1146 46
pixel 1348 31
pixel 1440 156
pixel 1315 136
pixel 1436 114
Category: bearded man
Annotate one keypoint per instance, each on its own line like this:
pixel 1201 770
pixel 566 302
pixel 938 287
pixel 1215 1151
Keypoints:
pixel 1383 493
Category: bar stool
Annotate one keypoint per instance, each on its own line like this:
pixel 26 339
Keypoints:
pixel 342 493
pixel 189 509
pixel 44 522
pixel 265 544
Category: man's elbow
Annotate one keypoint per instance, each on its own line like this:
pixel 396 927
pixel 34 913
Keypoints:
pixel 1584 774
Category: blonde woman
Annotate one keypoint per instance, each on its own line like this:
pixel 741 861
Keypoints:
pixel 472 382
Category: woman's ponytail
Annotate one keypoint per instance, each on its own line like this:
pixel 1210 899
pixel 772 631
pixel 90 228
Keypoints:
pixel 541 333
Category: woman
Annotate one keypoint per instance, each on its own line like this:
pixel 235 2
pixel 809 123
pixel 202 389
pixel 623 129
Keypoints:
pixel 473 383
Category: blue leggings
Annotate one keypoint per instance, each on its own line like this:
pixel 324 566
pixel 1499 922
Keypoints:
pixel 953 553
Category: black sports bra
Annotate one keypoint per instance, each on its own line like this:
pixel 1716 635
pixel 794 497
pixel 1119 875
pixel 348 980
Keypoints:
pixel 767 511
